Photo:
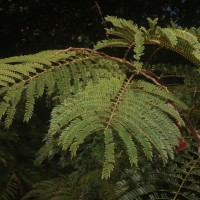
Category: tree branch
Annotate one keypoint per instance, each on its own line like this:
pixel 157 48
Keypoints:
pixel 147 73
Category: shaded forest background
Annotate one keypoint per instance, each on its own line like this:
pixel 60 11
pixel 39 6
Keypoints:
pixel 35 25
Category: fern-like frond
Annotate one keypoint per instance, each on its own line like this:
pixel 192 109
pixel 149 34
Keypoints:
pixel 11 110
pixel 128 142
pixel 53 189
pixel 112 43
pixel 125 27
pixel 183 42
pixel 138 49
pixel 47 151
pixel 135 110
pixel 10 192
pixel 124 30
pixel 43 57
pixel 27 78
pixel 168 35
pixel 178 180
pixel 155 90
pixel 72 186
pixel 109 154
pixel 152 24
pixel 30 94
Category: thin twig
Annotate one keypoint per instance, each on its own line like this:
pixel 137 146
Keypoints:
pixel 118 60
pixel 152 55
pixel 128 50
pixel 100 13
pixel 101 16
pixel 193 105
pixel 148 74
pixel 15 178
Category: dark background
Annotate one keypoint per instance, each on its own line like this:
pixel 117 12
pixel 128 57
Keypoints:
pixel 29 26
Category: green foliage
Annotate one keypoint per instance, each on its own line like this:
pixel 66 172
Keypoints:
pixel 27 78
pixel 74 186
pixel 17 172
pixel 83 182
pixel 178 180
pixel 53 189
pixel 10 190
pixel 109 107
pixel 120 103
pixel 183 42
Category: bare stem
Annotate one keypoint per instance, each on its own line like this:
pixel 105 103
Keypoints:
pixel 152 55
pixel 100 13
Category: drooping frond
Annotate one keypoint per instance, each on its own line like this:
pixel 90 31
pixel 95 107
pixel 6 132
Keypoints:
pixel 138 49
pixel 178 180
pixel 53 189
pixel 122 28
pixel 47 151
pixel 9 192
pixel 27 78
pixel 107 110
pixel 184 42
pixel 135 110
pixel 168 35
pixel 109 154
pixel 72 186
pixel 112 43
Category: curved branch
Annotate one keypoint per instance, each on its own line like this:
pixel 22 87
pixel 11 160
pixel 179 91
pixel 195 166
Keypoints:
pixel 147 73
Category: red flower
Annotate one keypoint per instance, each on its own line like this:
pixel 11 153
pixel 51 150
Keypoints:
pixel 182 145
